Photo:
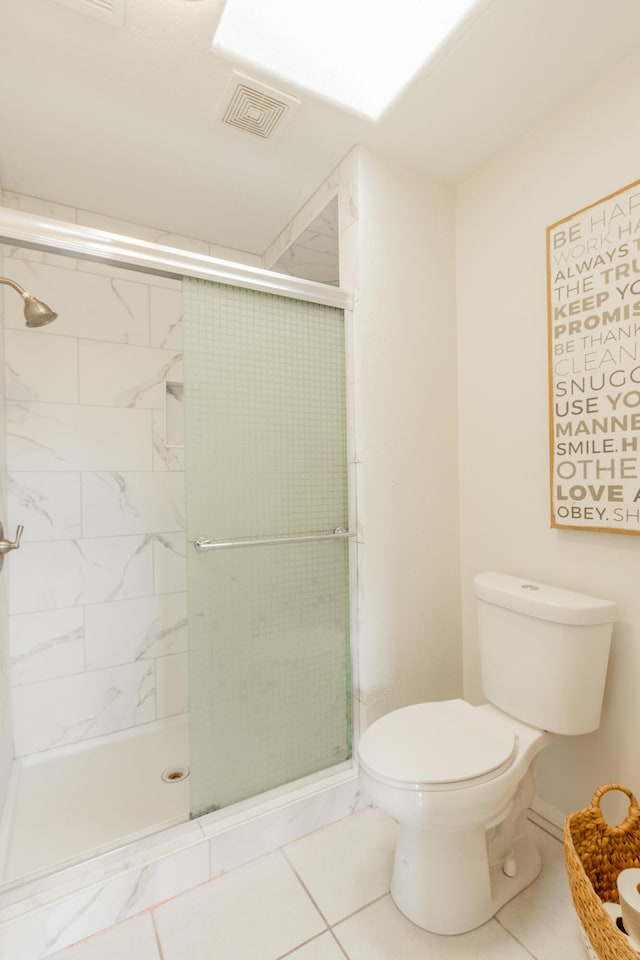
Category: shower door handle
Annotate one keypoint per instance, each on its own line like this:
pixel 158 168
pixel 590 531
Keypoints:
pixel 202 544
pixel 7 545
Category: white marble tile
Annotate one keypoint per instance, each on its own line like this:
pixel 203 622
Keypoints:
pixel 166 318
pixel 37 206
pixel 132 940
pixel 40 256
pixel 364 845
pixel 309 263
pixel 273 829
pixel 174 414
pixel 125 228
pixel 40 366
pixel 48 505
pixel 46 930
pixel 41 208
pixel 128 630
pixel 169 562
pixel 235 256
pixel 6 738
pixel 66 573
pixel 314 207
pixel 542 916
pixel 53 436
pixel 165 457
pixel 142 502
pixel 172 685
pixel 349 178
pixel 380 932
pixel 71 709
pixel 130 274
pixel 119 375
pixel 46 645
pixel 88 305
pixel 314 253
pixel 259 911
pixel 53 925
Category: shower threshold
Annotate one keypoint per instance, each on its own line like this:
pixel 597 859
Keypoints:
pixel 50 911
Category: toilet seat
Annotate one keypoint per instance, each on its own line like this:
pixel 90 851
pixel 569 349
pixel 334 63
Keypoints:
pixel 448 744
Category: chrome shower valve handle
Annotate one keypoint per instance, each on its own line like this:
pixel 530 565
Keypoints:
pixel 7 545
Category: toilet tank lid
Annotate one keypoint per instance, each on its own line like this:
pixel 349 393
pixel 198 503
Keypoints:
pixel 543 601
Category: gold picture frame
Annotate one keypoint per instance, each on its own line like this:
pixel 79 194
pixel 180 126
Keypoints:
pixel 593 309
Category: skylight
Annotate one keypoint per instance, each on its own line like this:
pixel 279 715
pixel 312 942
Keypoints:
pixel 360 54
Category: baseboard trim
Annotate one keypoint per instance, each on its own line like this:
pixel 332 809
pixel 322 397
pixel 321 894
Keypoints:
pixel 547 817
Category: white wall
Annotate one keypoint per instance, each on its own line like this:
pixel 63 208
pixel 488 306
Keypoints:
pixel 582 153
pixel 397 252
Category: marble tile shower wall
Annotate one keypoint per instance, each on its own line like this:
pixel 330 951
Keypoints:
pixel 6 744
pixel 97 601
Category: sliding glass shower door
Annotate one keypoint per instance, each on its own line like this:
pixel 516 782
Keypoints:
pixel 266 464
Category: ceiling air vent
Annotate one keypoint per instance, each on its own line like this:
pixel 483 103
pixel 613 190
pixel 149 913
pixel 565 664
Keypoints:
pixel 255 108
pixel 111 11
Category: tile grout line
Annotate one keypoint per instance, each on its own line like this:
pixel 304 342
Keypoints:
pixel 157 934
pixel 304 887
pixel 330 927
pixel 294 950
pixel 513 937
pixel 337 942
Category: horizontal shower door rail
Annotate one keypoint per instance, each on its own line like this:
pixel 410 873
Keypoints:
pixel 202 544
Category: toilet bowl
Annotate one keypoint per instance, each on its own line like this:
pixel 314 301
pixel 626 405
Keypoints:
pixel 459 778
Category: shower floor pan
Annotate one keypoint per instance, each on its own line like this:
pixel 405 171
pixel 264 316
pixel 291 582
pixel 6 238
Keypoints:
pixel 75 802
pixel 127 863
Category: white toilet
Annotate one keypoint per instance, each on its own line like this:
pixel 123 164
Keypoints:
pixel 459 778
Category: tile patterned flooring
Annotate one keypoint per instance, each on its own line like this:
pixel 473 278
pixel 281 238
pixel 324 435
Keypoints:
pixel 326 897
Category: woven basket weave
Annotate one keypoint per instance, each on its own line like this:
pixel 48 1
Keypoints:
pixel 595 853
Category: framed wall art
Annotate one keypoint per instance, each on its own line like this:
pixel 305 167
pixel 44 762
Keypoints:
pixel 593 296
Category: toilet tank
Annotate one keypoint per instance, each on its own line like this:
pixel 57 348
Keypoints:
pixel 543 651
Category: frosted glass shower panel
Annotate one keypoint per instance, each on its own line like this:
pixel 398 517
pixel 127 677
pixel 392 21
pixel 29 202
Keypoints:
pixel 266 459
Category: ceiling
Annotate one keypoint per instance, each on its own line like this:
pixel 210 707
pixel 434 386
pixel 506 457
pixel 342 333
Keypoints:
pixel 126 120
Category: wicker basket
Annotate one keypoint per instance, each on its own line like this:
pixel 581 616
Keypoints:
pixel 595 853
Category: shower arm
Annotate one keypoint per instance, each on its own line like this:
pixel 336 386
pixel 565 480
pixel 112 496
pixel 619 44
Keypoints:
pixel 16 286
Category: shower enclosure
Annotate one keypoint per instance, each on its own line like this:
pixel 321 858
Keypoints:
pixel 266 476
pixel 266 490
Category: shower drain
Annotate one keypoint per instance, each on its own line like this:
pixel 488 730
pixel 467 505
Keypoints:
pixel 175 774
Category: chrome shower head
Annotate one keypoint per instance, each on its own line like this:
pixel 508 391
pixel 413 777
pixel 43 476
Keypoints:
pixel 36 313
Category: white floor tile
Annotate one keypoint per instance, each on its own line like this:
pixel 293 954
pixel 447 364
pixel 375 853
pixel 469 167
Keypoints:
pixel 133 940
pixel 261 911
pixel 322 948
pixel 542 917
pixel 381 932
pixel 257 912
pixel 347 864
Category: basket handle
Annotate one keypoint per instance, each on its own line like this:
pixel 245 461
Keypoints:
pixel 632 819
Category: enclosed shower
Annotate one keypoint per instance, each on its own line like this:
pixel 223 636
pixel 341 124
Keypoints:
pixel 178 660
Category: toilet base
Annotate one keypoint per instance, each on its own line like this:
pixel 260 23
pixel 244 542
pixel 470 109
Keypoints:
pixel 443 882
